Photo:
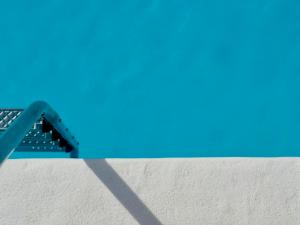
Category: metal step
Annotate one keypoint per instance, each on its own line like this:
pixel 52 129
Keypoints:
pixel 36 129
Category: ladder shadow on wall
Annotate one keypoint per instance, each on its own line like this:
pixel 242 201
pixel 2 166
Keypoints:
pixel 122 192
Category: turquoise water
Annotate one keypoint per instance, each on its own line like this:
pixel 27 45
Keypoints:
pixel 159 78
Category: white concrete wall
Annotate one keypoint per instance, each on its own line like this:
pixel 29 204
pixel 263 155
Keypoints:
pixel 231 191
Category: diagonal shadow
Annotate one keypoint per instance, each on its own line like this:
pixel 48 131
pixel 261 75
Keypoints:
pixel 122 192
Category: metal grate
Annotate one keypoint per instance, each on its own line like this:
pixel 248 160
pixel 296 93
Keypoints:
pixel 7 116
pixel 41 138
pixel 38 128
pixel 38 140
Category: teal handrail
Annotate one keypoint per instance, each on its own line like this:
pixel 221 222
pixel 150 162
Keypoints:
pixel 15 133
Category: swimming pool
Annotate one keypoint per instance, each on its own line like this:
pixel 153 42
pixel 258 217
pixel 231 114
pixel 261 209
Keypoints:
pixel 159 79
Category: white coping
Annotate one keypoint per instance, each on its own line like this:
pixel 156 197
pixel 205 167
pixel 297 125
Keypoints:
pixel 208 191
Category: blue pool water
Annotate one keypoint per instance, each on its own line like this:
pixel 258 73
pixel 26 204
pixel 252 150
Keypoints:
pixel 159 78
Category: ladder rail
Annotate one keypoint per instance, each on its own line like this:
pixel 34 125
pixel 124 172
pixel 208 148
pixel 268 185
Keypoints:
pixel 15 133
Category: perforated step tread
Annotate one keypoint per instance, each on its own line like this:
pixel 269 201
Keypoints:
pixel 7 116
pixel 40 138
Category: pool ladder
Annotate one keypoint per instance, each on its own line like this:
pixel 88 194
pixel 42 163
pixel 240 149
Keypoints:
pixel 35 129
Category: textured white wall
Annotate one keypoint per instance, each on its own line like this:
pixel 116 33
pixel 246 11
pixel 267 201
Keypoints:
pixel 231 191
